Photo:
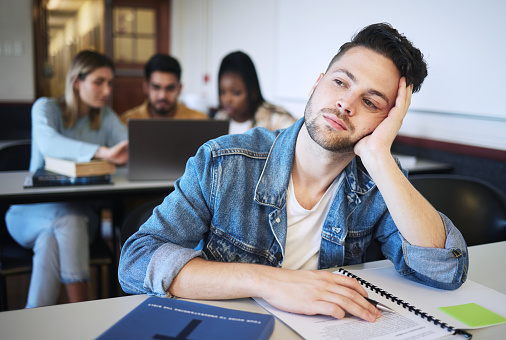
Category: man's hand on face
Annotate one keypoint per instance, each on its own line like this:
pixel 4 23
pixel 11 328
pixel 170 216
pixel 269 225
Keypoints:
pixel 383 136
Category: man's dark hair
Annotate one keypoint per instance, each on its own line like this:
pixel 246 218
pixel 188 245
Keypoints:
pixel 240 63
pixel 387 41
pixel 162 63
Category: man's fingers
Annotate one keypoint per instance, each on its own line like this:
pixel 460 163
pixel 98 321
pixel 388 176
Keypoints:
pixel 345 294
pixel 348 282
pixel 403 100
pixel 320 292
pixel 340 306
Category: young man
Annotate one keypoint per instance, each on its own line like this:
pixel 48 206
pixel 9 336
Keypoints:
pixel 162 86
pixel 273 207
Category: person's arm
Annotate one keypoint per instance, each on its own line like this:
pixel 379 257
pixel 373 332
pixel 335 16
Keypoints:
pixel 160 259
pixel 419 223
pixel 423 244
pixel 295 291
pixel 116 148
pixel 118 154
pixel 46 124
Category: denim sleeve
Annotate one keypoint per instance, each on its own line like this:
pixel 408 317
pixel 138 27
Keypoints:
pixel 153 256
pixel 436 267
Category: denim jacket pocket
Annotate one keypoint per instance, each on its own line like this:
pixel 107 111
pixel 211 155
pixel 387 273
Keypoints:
pixel 224 248
pixel 356 244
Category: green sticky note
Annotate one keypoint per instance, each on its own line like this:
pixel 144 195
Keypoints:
pixel 473 315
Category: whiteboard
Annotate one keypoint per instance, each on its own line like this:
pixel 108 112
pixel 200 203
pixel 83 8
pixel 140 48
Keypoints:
pixel 463 41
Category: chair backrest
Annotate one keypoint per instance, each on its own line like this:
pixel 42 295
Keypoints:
pixel 15 156
pixel 136 218
pixel 476 208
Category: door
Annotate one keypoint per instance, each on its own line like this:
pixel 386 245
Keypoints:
pixel 128 31
pixel 135 30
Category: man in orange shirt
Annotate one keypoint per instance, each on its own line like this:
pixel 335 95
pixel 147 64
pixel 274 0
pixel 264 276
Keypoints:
pixel 162 86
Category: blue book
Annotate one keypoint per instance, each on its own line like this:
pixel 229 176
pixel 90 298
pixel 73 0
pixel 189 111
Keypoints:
pixel 164 318
pixel 45 178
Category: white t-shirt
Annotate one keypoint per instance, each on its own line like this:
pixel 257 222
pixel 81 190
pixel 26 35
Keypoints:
pixel 303 237
pixel 238 128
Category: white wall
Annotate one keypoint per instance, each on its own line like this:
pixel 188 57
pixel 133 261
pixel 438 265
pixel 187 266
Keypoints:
pixel 17 75
pixel 291 41
pixel 204 31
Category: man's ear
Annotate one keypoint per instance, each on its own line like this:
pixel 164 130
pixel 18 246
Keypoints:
pixel 316 84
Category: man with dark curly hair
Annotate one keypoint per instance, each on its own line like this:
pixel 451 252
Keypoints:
pixel 274 207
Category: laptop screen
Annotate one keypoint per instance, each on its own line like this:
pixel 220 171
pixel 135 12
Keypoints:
pixel 160 148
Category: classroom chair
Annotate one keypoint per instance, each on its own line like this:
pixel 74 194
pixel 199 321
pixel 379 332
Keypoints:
pixel 15 156
pixel 476 208
pixel 14 259
pixel 136 218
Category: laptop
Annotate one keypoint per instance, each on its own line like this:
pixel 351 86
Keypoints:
pixel 159 148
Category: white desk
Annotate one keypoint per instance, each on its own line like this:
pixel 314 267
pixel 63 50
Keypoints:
pixel 87 320
pixel 12 191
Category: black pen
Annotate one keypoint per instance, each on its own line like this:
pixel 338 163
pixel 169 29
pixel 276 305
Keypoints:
pixel 380 306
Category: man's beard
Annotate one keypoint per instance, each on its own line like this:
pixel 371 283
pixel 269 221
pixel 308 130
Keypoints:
pixel 325 136
pixel 168 111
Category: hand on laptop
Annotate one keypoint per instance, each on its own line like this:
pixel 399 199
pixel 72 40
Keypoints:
pixel 118 154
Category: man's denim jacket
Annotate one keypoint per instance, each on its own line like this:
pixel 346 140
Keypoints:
pixel 233 197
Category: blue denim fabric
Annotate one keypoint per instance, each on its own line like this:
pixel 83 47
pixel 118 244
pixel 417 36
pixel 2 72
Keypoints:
pixel 59 234
pixel 233 195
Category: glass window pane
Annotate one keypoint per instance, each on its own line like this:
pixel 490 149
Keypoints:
pixel 146 21
pixel 123 20
pixel 145 49
pixel 123 49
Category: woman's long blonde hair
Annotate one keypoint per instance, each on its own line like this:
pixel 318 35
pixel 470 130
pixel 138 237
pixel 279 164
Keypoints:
pixel 83 64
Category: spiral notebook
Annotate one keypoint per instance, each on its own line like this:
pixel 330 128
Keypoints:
pixel 406 305
pixel 419 310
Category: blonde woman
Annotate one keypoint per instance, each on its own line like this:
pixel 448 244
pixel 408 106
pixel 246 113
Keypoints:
pixel 79 126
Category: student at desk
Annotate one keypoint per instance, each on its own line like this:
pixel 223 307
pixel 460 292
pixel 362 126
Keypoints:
pixel 162 86
pixel 273 207
pixel 241 100
pixel 79 126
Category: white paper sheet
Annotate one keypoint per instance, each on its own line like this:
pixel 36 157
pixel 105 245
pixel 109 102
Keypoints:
pixel 401 325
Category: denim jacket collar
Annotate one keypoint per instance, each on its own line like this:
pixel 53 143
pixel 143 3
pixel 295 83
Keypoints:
pixel 272 185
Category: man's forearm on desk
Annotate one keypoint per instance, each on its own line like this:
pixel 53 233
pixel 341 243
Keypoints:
pixel 296 291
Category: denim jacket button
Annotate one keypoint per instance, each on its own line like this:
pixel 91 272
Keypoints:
pixel 278 220
pixel 278 256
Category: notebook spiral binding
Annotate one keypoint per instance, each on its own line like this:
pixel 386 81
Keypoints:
pixel 406 305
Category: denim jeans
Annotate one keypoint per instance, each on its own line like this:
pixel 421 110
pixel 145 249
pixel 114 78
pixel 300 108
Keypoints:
pixel 59 235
